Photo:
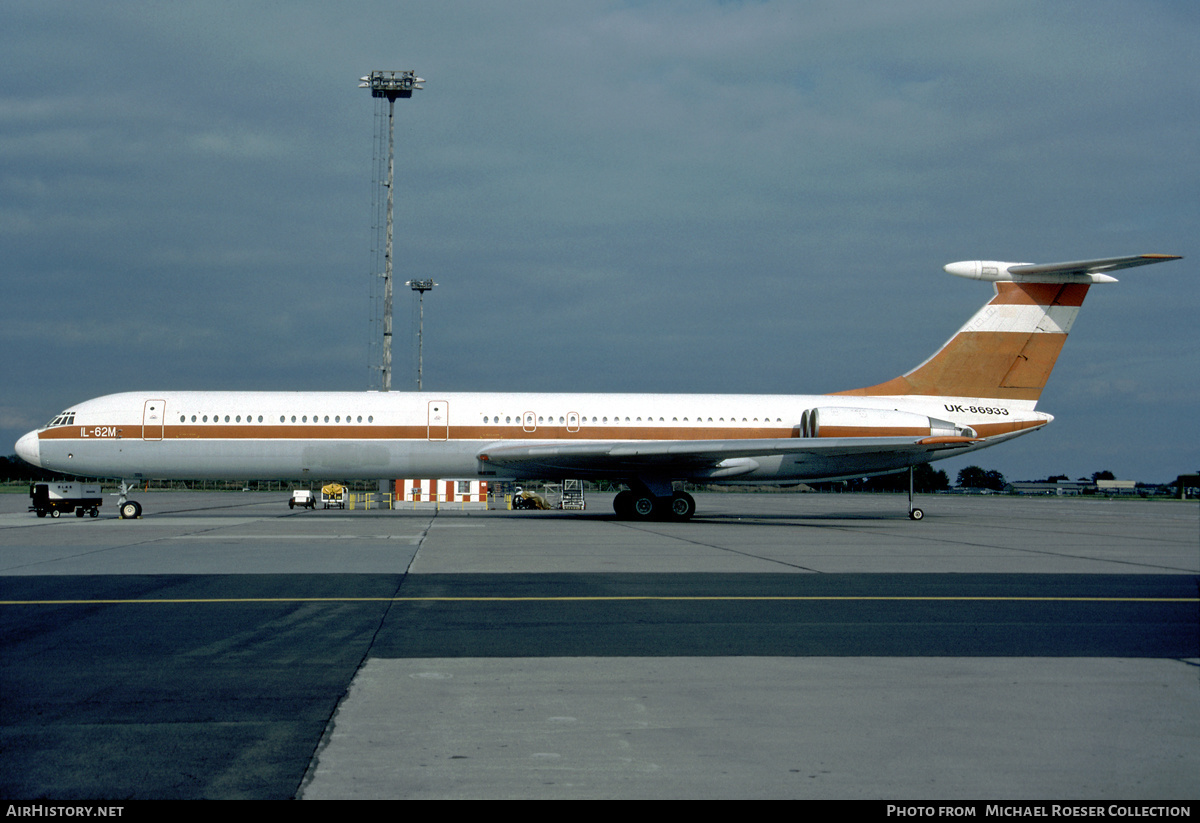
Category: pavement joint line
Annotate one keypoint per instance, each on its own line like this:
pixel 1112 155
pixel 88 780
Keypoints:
pixel 295 537
pixel 610 598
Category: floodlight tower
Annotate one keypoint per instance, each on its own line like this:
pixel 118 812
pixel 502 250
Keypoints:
pixel 420 286
pixel 391 85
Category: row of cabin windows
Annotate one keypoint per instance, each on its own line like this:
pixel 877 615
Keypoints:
pixel 283 418
pixel 583 419
pixel 216 418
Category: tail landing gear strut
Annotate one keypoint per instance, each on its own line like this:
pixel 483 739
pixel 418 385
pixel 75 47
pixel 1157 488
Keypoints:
pixel 913 512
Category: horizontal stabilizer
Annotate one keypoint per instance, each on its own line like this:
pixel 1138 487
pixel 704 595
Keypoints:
pixel 1076 271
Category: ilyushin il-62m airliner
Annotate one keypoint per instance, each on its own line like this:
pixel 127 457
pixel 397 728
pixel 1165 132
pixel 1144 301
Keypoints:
pixel 979 389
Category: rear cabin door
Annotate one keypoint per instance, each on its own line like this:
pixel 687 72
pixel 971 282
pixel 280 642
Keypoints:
pixel 153 415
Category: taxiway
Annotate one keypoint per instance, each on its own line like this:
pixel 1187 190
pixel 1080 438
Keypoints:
pixel 779 645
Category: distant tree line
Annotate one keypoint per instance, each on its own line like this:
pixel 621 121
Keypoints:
pixel 925 480
pixel 13 469
pixel 973 477
pixel 1101 475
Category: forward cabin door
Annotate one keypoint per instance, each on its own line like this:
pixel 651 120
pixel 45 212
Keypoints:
pixel 439 420
pixel 153 415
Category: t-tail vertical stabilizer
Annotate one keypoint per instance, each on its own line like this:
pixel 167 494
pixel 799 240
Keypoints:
pixel 1007 350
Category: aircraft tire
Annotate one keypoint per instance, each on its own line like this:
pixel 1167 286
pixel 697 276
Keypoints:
pixel 645 507
pixel 623 504
pixel 916 514
pixel 683 506
pixel 130 510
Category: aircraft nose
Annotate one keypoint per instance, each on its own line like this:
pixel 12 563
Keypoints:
pixel 29 449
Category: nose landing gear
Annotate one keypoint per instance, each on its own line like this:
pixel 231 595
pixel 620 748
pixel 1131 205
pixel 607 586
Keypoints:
pixel 128 509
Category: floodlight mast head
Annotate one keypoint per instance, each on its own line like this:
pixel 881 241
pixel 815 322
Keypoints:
pixel 391 84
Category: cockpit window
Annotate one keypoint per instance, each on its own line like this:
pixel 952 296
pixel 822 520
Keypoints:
pixel 64 419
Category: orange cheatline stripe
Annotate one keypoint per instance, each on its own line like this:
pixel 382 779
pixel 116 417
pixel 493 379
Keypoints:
pixel 488 433
pixel 992 429
pixel 492 432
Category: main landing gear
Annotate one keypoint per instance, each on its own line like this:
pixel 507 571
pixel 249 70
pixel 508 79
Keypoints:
pixel 643 504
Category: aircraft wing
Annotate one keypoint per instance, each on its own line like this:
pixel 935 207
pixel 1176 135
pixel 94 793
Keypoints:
pixel 704 458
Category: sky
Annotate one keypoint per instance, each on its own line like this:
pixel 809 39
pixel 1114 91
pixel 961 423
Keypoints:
pixel 750 197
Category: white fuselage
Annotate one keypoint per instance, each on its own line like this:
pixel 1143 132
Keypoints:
pixel 347 435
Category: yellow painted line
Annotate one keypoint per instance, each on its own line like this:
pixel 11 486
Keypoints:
pixel 609 598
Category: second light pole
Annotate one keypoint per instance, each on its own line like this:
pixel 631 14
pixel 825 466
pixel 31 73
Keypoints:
pixel 420 286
